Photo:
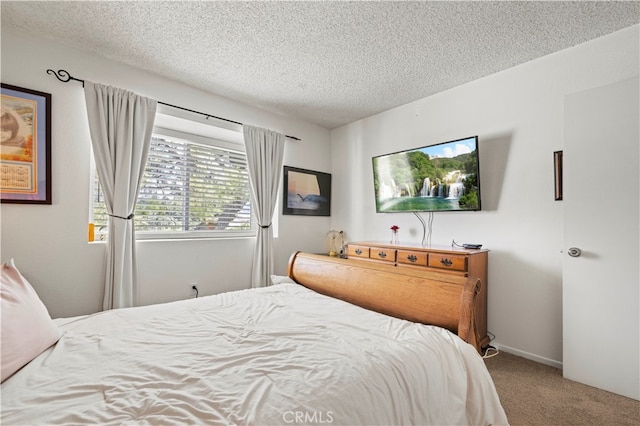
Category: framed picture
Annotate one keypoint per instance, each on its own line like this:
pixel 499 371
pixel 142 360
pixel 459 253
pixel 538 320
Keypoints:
pixel 25 146
pixel 306 192
pixel 557 168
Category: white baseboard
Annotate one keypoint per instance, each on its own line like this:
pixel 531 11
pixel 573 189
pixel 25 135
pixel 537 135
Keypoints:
pixel 527 355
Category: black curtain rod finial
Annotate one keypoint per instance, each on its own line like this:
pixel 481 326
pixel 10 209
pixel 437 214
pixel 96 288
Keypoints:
pixel 63 76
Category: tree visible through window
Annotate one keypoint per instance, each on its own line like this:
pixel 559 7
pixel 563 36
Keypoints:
pixel 189 186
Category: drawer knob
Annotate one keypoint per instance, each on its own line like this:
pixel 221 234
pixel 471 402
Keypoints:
pixel 446 262
pixel 412 258
pixel 382 254
pixel 358 252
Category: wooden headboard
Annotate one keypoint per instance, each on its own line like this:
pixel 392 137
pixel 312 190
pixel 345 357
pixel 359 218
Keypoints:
pixel 413 294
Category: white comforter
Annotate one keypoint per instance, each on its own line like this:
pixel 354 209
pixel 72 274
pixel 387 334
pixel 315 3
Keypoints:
pixel 277 355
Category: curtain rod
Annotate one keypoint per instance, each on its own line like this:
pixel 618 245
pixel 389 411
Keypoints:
pixel 65 77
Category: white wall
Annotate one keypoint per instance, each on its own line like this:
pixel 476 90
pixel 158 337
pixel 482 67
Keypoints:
pixel 49 243
pixel 518 115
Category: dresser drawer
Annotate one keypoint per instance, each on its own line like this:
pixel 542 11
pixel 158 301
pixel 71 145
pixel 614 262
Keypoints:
pixel 379 253
pixel 358 251
pixel 448 261
pixel 409 257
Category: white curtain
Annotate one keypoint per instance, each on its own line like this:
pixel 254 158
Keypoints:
pixel 265 150
pixel 120 123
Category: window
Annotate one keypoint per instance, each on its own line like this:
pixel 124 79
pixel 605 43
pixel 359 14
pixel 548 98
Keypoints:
pixel 193 186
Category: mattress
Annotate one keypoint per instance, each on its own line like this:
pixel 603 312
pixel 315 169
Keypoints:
pixel 276 355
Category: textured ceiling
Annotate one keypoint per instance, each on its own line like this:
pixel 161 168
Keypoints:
pixel 330 63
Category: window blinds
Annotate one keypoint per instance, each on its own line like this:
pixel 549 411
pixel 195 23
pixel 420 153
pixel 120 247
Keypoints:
pixel 189 186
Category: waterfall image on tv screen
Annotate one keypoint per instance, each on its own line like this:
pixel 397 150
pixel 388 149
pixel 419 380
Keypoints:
pixel 442 177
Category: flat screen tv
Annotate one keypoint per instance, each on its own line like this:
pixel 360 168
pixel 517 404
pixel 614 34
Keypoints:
pixel 441 177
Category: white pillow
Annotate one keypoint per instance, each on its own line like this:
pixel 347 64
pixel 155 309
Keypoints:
pixel 281 279
pixel 27 327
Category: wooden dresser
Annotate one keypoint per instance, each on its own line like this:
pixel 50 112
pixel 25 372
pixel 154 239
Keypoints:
pixel 447 260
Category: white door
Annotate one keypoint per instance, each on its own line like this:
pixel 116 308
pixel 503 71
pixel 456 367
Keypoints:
pixel 601 298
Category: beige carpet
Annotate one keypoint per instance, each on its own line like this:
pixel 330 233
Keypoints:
pixel 536 394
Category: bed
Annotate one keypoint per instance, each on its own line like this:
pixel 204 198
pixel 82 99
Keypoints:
pixel 311 349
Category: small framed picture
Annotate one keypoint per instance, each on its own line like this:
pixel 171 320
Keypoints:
pixel 557 167
pixel 25 146
pixel 306 192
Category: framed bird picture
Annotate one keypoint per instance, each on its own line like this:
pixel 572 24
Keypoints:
pixel 306 192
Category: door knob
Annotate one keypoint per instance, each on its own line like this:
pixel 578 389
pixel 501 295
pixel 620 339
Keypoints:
pixel 574 252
